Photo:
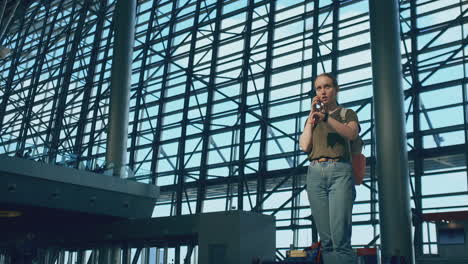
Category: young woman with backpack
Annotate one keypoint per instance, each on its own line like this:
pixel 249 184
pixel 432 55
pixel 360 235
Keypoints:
pixel 330 183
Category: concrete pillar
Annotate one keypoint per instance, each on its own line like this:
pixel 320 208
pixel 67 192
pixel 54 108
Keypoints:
pixel 81 257
pixel 392 158
pixel 124 24
pixel 103 255
pixel 115 255
pixel 121 73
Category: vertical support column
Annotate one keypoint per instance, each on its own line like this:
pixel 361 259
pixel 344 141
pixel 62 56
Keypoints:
pixel 126 255
pixel 61 257
pixel 417 135
pixel 201 190
pixel 81 257
pixel 124 22
pixel 145 255
pixel 165 254
pixel 104 255
pixel 48 256
pixel 315 58
pixel 115 254
pixel 243 105
pixel 121 72
pixel 157 256
pixel 465 96
pixel 373 178
pixel 70 258
pixel 93 257
pixel 335 37
pixel 185 118
pixel 392 158
pixel 265 114
pixel 195 255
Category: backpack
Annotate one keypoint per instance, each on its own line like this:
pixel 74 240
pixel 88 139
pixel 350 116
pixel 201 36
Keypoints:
pixel 358 160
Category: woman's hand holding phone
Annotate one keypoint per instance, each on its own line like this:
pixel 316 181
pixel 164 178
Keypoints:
pixel 316 108
pixel 316 104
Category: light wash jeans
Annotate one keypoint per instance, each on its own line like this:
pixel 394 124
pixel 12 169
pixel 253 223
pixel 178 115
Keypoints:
pixel 331 192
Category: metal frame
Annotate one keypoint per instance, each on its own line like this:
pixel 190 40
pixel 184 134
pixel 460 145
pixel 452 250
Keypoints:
pixel 206 123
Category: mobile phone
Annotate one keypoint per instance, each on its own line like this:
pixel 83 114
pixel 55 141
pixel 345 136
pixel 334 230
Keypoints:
pixel 318 106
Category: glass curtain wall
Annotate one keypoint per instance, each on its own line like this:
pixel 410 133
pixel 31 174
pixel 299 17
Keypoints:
pixel 220 93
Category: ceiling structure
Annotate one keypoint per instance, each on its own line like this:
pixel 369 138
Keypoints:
pixel 220 92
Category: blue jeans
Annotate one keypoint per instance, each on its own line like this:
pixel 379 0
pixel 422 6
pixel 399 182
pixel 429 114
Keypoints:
pixel 331 192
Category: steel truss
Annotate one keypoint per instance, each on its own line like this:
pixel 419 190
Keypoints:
pixel 220 92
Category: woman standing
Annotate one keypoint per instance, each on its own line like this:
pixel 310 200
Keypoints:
pixel 330 184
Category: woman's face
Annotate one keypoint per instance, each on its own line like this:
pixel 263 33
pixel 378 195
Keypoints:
pixel 325 90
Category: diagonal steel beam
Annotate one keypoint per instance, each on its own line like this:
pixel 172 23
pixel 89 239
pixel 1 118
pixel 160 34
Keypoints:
pixel 443 30
pixel 6 22
pixel 2 12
